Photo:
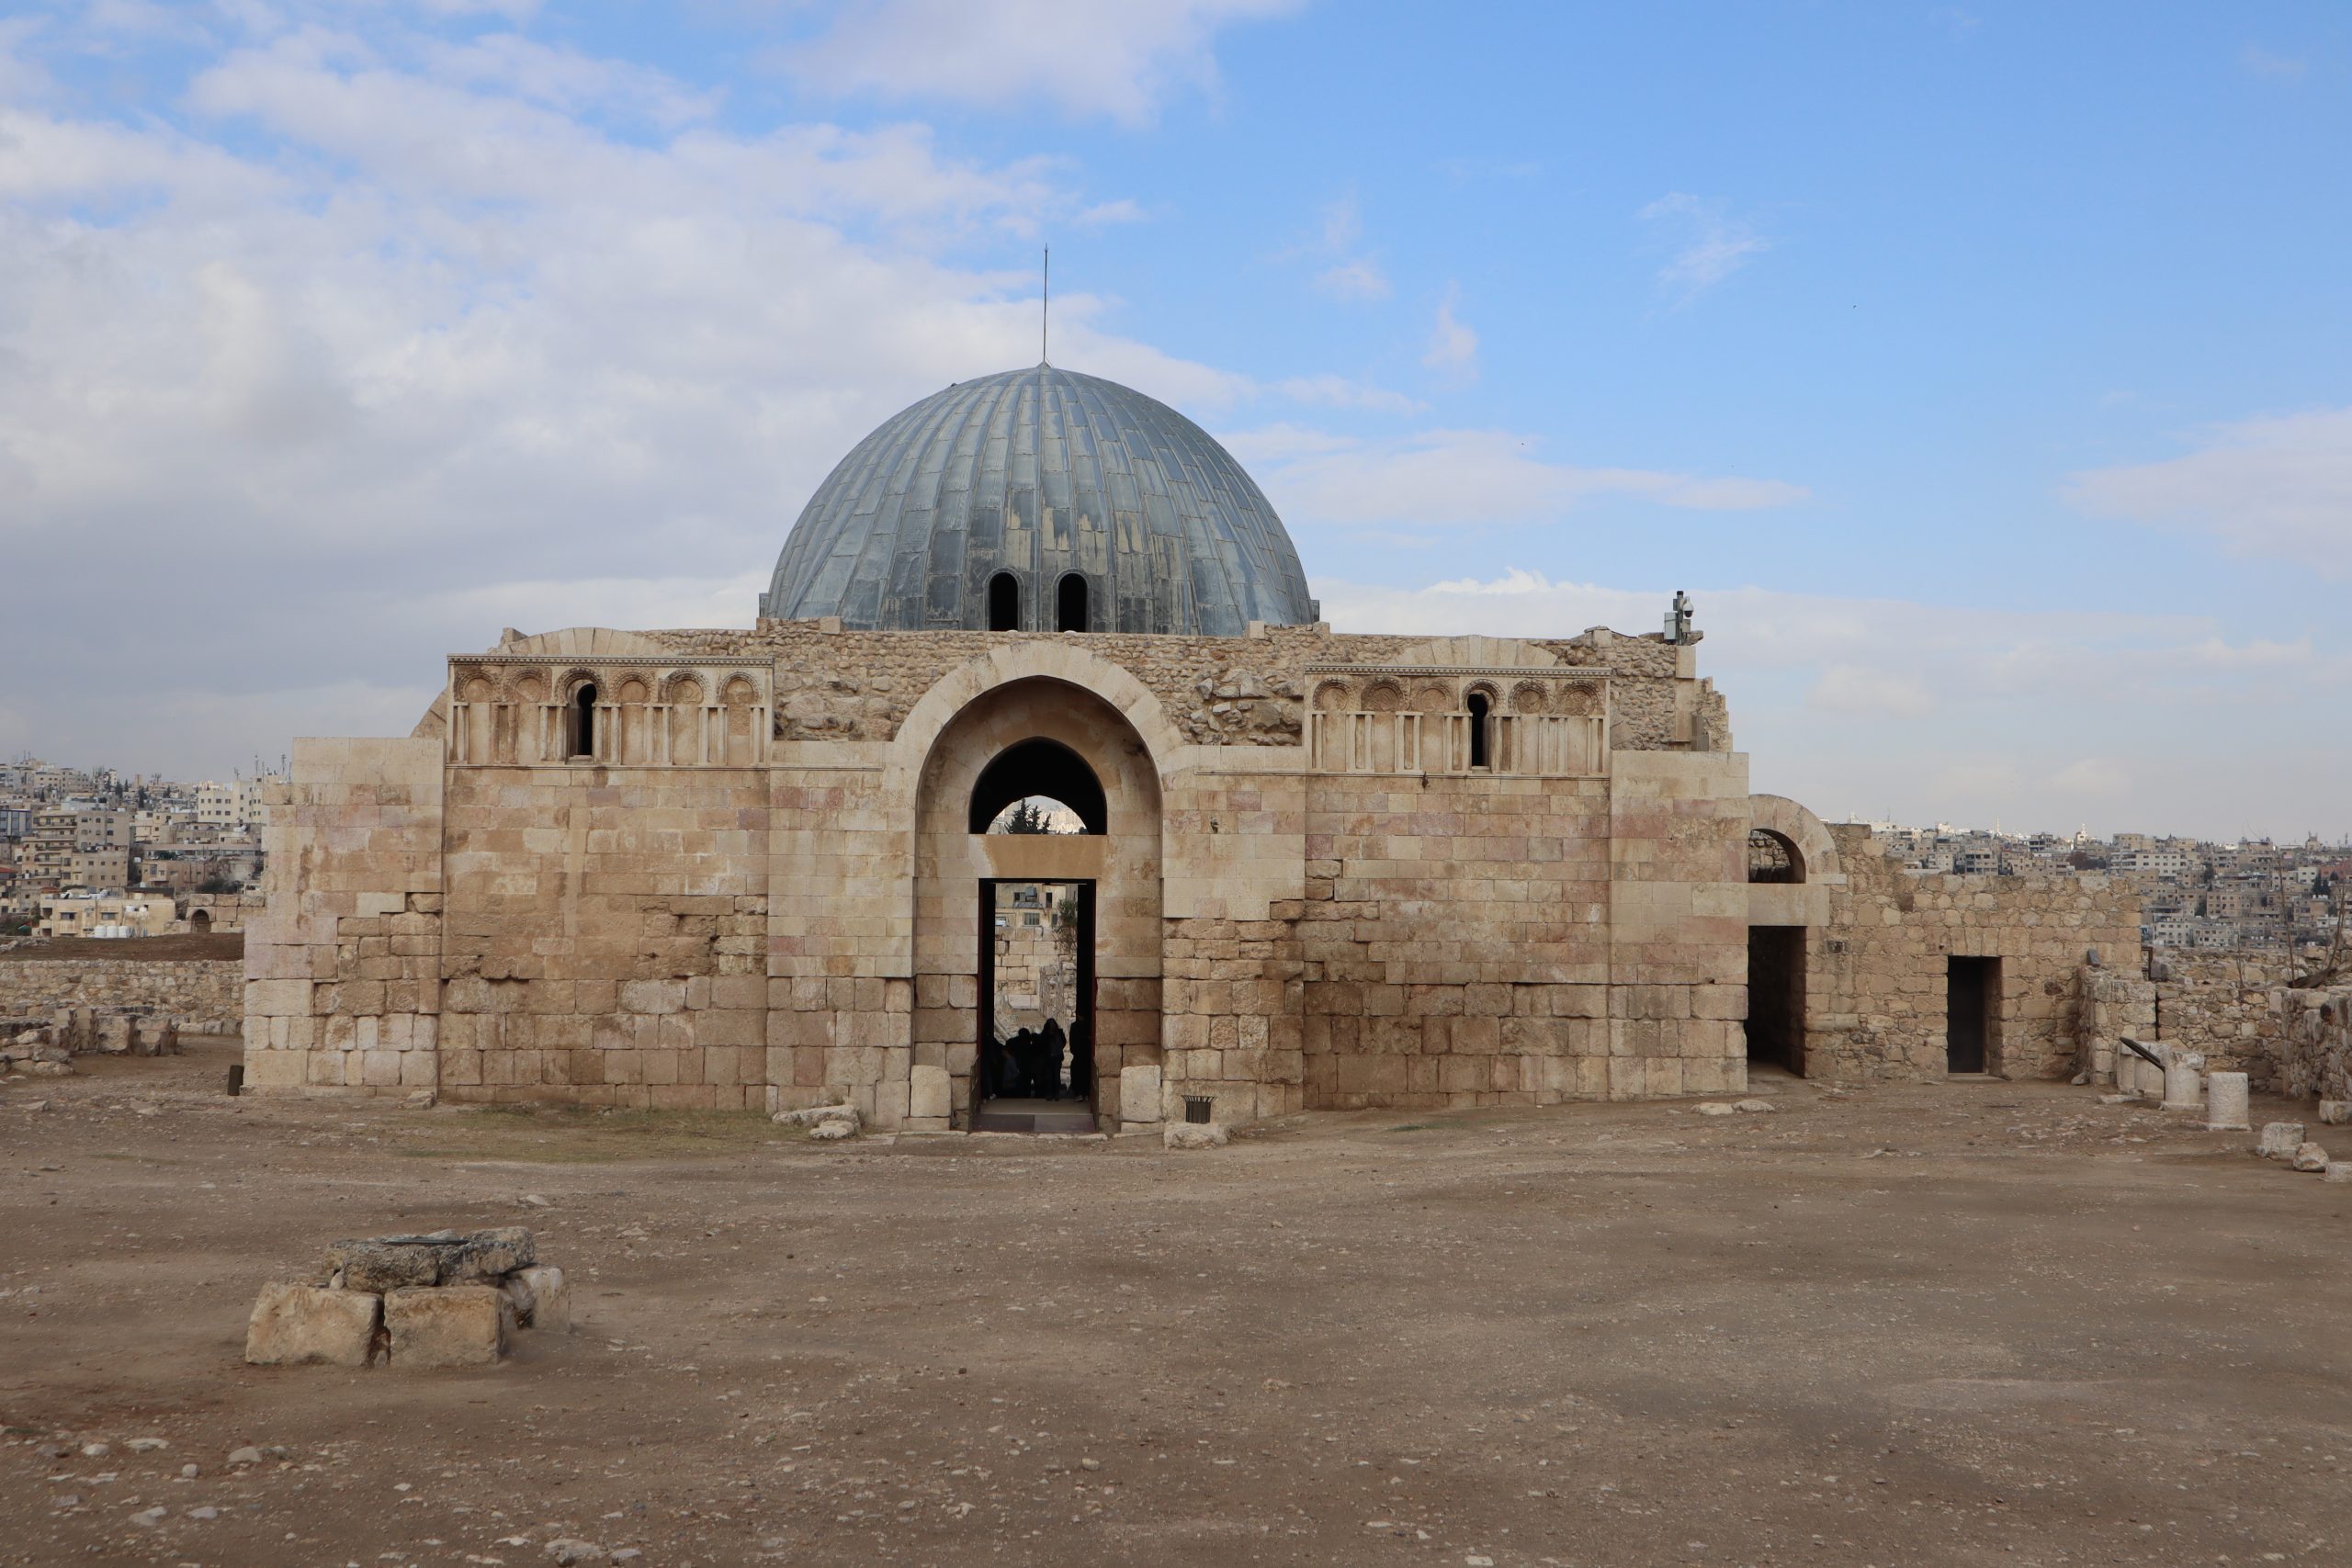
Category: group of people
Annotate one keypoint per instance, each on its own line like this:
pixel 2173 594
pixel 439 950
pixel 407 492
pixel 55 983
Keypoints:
pixel 1029 1065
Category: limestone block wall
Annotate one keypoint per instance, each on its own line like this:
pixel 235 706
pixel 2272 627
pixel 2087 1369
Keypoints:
pixel 840 936
pixel 218 912
pixel 1678 918
pixel 2315 1043
pixel 343 964
pixel 2222 1005
pixel 2113 1003
pixel 1876 986
pixel 1232 997
pixel 605 936
pixel 1456 940
pixel 193 990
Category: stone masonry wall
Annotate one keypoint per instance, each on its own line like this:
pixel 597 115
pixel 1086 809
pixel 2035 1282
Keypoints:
pixel 2316 1042
pixel 1456 940
pixel 1876 994
pixel 2222 1006
pixel 343 966
pixel 606 936
pixel 846 685
pixel 192 990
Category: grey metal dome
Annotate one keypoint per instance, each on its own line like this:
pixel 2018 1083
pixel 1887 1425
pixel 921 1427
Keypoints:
pixel 1082 494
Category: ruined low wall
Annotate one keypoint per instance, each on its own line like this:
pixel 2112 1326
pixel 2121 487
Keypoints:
pixel 2220 1005
pixel 192 990
pixel 1876 981
pixel 2315 1043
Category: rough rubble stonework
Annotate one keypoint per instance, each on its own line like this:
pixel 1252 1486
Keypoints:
pixel 187 989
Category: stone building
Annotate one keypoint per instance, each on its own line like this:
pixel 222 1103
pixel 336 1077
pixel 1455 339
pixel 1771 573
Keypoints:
pixel 752 868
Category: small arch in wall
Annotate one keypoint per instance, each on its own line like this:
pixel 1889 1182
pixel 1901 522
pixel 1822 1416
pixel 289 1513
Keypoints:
pixel 1773 857
pixel 1038 767
pixel 1069 603
pixel 1004 602
pixel 584 719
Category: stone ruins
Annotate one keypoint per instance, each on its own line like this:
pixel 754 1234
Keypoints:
pixel 753 869
pixel 412 1302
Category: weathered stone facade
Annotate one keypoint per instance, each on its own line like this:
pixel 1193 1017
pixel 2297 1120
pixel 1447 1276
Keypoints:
pixel 1879 970
pixel 192 990
pixel 2315 1043
pixel 742 870
pixel 741 874
pixel 2224 1006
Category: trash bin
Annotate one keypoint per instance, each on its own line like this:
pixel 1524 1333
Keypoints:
pixel 1199 1108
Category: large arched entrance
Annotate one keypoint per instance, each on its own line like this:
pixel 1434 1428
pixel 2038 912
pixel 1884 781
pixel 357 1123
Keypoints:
pixel 1019 930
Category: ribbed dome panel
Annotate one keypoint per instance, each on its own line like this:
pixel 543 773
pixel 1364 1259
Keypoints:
pixel 1040 473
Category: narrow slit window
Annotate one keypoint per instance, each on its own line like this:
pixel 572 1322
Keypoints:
pixel 584 731
pixel 1478 707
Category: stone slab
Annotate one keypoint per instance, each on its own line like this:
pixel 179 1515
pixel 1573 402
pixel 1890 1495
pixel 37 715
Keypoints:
pixel 447 1326
pixel 297 1324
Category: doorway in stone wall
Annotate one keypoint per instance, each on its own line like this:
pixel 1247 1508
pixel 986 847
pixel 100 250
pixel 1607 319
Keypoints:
pixel 1972 1012
pixel 1034 1067
pixel 1776 998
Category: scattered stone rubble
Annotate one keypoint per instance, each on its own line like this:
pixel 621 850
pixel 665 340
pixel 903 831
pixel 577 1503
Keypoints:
pixel 447 1299
pixel 45 1048
pixel 823 1122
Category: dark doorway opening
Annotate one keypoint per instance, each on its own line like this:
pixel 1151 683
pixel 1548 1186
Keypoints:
pixel 1004 602
pixel 1034 1069
pixel 1069 603
pixel 199 921
pixel 1479 707
pixel 583 723
pixel 1972 1011
pixel 1776 996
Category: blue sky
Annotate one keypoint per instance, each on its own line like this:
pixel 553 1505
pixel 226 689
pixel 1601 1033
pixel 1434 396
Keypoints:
pixel 1982 370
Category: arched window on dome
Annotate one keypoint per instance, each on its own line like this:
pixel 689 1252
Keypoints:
pixel 1004 602
pixel 1478 707
pixel 1069 603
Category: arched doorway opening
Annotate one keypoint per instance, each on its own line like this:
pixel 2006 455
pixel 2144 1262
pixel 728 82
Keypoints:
pixel 1036 904
pixel 1776 961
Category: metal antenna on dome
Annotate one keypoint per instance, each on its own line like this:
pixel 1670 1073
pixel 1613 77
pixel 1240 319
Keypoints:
pixel 1045 306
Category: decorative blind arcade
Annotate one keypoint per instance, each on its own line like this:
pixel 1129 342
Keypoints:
pixel 1352 726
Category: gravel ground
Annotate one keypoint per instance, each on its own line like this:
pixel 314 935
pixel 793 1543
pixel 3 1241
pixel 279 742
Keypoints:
pixel 1973 1323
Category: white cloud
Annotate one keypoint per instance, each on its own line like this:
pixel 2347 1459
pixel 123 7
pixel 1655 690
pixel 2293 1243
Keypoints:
pixel 1716 244
pixel 1456 476
pixel 1340 391
pixel 392 346
pixel 1121 61
pixel 1933 712
pixel 2276 485
pixel 1856 689
pixel 2260 61
pixel 1354 280
pixel 1453 348
pixel 1351 277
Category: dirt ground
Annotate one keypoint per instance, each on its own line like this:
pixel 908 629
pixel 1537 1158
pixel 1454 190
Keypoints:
pixel 1973 1322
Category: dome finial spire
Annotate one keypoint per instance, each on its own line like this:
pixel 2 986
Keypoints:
pixel 1046 307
